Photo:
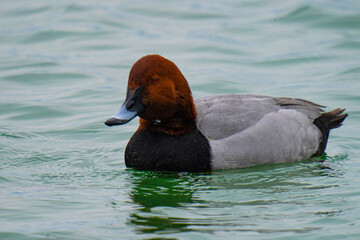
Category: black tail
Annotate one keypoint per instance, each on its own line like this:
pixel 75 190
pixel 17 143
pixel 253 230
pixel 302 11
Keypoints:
pixel 325 123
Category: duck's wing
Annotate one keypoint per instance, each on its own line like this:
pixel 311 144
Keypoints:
pixel 246 130
pixel 221 116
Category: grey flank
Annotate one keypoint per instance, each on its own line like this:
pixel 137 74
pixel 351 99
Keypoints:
pixel 246 130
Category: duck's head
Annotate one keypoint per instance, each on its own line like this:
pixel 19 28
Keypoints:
pixel 159 94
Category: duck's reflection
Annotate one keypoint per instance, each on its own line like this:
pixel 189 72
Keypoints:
pixel 173 203
pixel 161 198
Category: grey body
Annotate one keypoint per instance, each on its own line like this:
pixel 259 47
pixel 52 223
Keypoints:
pixel 246 130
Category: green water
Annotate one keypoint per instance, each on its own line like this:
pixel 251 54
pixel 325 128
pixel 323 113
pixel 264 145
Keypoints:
pixel 63 72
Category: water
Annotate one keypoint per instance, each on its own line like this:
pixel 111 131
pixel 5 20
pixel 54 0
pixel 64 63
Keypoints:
pixel 63 72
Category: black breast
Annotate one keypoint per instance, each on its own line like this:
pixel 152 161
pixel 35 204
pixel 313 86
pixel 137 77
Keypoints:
pixel 158 151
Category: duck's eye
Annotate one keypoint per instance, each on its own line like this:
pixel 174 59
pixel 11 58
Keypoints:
pixel 154 80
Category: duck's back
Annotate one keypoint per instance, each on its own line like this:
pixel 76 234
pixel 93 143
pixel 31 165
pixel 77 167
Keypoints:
pixel 247 130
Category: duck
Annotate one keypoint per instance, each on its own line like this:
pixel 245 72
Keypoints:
pixel 179 134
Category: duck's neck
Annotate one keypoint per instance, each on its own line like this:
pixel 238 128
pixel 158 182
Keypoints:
pixel 172 127
pixel 180 122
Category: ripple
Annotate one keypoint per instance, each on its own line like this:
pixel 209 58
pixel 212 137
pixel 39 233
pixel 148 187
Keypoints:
pixel 320 18
pixel 44 78
pixel 15 134
pixel 351 71
pixel 51 35
pixel 291 61
pixel 350 45
pixel 19 65
pixel 343 22
pixel 193 14
pixel 36 112
pixel 26 11
pixel 302 14
pixel 72 8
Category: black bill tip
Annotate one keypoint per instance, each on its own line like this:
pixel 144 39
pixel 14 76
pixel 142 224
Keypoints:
pixel 115 121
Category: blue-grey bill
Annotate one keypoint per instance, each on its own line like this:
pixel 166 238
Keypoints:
pixel 121 117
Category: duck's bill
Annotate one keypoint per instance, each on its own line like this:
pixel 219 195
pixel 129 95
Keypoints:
pixel 129 110
pixel 121 117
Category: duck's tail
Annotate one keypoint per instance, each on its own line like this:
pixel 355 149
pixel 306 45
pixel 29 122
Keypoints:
pixel 325 123
pixel 336 117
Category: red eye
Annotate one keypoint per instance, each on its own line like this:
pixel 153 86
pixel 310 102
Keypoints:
pixel 154 80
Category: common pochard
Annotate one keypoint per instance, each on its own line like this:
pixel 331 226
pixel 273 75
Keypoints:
pixel 179 134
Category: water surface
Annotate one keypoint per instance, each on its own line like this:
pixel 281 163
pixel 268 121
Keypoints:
pixel 63 72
